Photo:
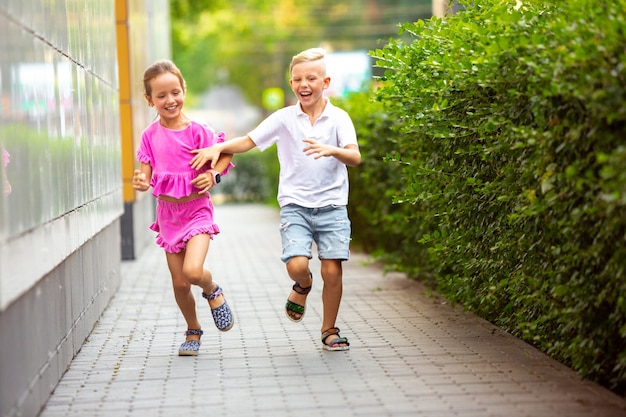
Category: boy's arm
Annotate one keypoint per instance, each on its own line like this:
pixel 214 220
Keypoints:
pixel 350 155
pixel 212 153
pixel 206 180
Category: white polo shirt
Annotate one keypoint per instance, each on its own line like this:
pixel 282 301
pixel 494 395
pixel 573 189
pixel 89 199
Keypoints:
pixel 304 180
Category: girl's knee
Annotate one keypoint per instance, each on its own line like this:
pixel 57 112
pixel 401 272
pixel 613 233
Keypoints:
pixel 196 275
pixel 181 286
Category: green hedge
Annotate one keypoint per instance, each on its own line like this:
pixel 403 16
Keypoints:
pixel 503 133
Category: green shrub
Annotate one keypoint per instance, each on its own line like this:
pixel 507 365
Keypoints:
pixel 377 223
pixel 510 125
pixel 254 178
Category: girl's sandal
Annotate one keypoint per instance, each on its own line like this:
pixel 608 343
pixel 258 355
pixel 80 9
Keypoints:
pixel 222 315
pixel 336 343
pixel 191 347
pixel 291 307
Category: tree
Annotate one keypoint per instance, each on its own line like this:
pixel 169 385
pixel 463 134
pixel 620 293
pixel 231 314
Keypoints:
pixel 249 43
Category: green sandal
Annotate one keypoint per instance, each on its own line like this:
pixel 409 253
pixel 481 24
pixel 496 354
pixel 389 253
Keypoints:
pixel 291 307
pixel 335 344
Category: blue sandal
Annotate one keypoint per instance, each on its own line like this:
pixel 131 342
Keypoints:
pixel 334 344
pixel 222 315
pixel 191 347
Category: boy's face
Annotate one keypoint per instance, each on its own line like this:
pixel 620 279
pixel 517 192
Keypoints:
pixel 308 81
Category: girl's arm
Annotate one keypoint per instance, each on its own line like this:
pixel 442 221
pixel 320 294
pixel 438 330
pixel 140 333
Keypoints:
pixel 142 176
pixel 205 180
pixel 222 162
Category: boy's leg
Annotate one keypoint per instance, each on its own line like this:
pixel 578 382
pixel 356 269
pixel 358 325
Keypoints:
pixel 331 295
pixel 297 238
pixel 333 243
pixel 298 270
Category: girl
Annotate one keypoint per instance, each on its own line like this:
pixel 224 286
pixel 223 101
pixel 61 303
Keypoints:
pixel 184 218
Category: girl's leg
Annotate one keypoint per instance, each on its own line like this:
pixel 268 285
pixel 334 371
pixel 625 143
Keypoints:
pixel 196 251
pixel 182 292
pixel 331 293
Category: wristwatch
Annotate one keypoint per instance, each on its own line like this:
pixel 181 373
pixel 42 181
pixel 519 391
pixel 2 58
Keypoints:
pixel 216 176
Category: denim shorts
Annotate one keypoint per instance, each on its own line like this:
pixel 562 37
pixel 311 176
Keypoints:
pixel 328 227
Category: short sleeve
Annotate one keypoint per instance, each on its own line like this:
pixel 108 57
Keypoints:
pixel 208 137
pixel 346 134
pixel 144 153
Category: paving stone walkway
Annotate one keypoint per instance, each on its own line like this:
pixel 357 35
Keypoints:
pixel 411 353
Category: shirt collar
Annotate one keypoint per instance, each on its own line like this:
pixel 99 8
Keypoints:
pixel 300 112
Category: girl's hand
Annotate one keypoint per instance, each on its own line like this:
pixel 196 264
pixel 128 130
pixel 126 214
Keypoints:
pixel 204 182
pixel 139 181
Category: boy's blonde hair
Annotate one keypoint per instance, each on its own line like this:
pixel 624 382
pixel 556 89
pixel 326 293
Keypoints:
pixel 313 54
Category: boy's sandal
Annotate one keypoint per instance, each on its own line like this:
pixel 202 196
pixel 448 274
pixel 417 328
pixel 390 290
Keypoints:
pixel 190 347
pixel 336 343
pixel 291 307
pixel 222 315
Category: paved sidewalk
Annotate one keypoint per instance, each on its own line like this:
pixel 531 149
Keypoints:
pixel 411 354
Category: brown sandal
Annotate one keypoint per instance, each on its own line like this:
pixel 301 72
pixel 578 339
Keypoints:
pixel 335 344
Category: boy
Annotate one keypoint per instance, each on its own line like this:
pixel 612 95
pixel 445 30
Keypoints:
pixel 316 141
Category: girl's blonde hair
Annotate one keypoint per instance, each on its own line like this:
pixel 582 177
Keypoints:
pixel 313 54
pixel 158 68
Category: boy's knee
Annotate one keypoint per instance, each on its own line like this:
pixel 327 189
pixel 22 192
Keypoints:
pixel 331 271
pixel 298 265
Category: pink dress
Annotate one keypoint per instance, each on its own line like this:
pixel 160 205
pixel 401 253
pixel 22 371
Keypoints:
pixel 168 153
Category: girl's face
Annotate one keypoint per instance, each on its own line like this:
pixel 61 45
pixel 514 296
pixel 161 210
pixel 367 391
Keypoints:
pixel 308 82
pixel 167 97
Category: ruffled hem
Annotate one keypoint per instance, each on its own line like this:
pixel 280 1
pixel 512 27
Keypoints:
pixel 221 137
pixel 174 185
pixel 211 230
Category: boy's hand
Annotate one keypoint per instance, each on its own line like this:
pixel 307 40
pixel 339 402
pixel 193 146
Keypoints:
pixel 139 181
pixel 318 149
pixel 204 182
pixel 202 156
